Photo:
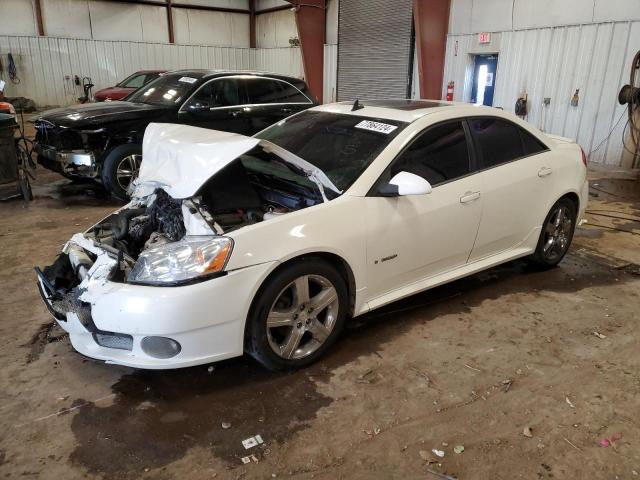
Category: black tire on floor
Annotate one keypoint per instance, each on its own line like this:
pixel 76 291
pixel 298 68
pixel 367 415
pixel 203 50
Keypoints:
pixel 256 337
pixel 110 167
pixel 547 257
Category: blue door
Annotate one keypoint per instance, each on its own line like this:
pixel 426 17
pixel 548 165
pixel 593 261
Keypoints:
pixel 484 79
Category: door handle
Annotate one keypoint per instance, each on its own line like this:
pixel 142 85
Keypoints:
pixel 469 197
pixel 235 113
pixel 544 171
pixel 287 110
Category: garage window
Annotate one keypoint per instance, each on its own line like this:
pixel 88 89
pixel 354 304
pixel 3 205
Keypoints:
pixel 438 155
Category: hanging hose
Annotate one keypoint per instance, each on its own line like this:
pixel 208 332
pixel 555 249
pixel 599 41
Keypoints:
pixel 630 94
pixel 12 70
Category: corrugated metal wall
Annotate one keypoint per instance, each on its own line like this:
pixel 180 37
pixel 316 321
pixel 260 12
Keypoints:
pixel 554 62
pixel 374 48
pixel 44 63
pixel 330 73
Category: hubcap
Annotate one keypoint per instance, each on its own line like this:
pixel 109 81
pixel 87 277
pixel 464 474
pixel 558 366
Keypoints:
pixel 127 170
pixel 302 317
pixel 557 233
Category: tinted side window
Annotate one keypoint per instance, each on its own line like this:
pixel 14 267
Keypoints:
pixel 290 94
pixel 263 90
pixel 498 141
pixel 217 93
pixel 438 155
pixel 531 144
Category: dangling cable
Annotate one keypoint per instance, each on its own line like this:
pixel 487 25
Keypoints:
pixel 12 70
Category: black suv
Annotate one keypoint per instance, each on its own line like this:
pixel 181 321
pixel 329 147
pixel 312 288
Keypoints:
pixel 104 140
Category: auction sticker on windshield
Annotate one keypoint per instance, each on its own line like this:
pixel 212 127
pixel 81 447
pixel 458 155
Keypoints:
pixel 187 79
pixel 376 126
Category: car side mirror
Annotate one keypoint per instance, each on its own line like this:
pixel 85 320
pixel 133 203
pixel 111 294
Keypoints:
pixel 198 107
pixel 405 183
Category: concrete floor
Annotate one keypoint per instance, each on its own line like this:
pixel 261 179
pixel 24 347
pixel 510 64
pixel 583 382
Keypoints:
pixel 473 363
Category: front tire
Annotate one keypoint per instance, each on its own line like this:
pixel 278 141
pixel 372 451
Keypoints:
pixel 120 168
pixel 556 235
pixel 297 315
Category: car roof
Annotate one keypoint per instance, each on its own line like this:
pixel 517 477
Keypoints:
pixel 209 73
pixel 405 110
pixel 151 71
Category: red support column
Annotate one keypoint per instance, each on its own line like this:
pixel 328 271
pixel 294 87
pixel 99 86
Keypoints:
pixel 431 19
pixel 311 23
pixel 170 21
pixel 252 23
pixel 39 21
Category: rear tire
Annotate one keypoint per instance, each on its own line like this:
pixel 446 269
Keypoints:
pixel 297 315
pixel 556 235
pixel 120 168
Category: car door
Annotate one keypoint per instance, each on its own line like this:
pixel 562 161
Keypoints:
pixel 514 168
pixel 413 237
pixel 218 105
pixel 271 100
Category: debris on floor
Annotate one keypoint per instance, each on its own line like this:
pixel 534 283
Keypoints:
pixel 249 459
pixel 609 442
pixel 599 335
pixel 439 453
pixel 526 431
pixel 458 449
pixel 252 442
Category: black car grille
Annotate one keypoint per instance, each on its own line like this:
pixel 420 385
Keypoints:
pixel 57 137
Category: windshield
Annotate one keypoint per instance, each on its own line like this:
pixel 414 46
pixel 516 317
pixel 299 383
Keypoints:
pixel 342 146
pixel 167 90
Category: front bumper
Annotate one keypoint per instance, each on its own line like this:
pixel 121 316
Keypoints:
pixel 207 319
pixel 80 163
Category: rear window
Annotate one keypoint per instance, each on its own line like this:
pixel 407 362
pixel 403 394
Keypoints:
pixel 500 141
pixel 342 146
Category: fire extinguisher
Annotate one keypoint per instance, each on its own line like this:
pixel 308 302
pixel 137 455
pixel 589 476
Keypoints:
pixel 450 86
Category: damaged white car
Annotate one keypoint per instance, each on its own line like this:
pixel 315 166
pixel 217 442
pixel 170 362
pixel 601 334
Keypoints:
pixel 267 244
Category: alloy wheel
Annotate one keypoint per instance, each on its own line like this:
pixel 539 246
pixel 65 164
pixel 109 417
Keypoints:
pixel 557 233
pixel 302 317
pixel 127 170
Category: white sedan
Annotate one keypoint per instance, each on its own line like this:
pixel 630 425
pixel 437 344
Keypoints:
pixel 268 244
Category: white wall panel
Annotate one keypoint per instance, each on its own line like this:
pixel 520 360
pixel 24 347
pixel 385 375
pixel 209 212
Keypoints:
pixel 330 73
pixel 197 27
pixel 460 16
pixel 264 4
pixel 491 15
pixel 607 10
pixel 274 29
pixel 473 16
pixel 66 18
pixel 544 13
pixel 114 20
pixel 239 4
pixel 22 18
pixel 553 62
pixel 46 66
pixel 279 60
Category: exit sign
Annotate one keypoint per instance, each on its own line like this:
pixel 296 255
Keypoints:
pixel 484 37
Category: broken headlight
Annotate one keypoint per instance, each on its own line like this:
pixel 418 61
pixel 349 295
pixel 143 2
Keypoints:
pixel 193 258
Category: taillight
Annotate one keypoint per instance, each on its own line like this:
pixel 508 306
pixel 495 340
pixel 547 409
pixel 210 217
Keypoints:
pixel 584 156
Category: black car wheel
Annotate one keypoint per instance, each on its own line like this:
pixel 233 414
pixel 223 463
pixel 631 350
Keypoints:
pixel 120 168
pixel 297 315
pixel 556 235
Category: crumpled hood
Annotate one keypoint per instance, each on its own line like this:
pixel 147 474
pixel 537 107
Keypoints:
pixel 180 159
